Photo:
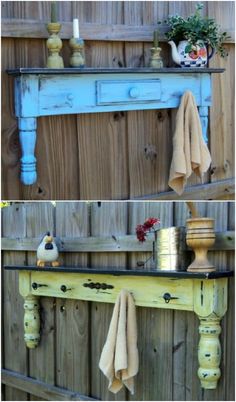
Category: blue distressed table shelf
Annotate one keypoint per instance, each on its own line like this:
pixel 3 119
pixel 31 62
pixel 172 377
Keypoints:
pixel 46 92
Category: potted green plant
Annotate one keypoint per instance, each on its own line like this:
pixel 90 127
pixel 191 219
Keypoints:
pixel 195 35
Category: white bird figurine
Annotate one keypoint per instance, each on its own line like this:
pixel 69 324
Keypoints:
pixel 47 252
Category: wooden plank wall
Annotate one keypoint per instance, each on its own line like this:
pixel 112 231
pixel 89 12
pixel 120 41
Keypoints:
pixel 102 156
pixel 74 332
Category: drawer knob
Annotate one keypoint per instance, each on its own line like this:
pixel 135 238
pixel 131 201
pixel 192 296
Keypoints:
pixel 70 97
pixel 134 92
pixel 35 285
pixel 167 297
pixel 64 288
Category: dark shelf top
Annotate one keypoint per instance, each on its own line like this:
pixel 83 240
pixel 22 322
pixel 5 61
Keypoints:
pixel 91 70
pixel 117 272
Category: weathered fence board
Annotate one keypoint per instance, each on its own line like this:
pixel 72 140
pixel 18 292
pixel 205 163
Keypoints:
pixel 103 156
pixel 106 218
pixel 15 354
pixel 152 353
pixel 39 219
pixel 72 316
pixel 42 390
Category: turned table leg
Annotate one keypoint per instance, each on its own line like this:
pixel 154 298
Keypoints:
pixel 27 133
pixel 209 352
pixel 203 113
pixel 31 321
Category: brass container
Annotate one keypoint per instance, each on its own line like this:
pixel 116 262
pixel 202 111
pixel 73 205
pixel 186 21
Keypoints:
pixel 200 237
pixel 170 248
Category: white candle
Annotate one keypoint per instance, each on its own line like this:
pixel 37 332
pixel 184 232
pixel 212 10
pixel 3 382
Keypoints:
pixel 75 28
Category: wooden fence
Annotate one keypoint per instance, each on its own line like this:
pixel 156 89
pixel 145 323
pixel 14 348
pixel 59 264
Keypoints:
pixel 65 365
pixel 102 156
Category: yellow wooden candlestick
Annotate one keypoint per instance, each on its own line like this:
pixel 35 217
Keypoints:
pixel 54 45
pixel 31 321
pixel 77 59
pixel 156 59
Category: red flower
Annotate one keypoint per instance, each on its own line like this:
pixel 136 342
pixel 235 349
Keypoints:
pixel 141 230
pixel 140 233
pixel 150 222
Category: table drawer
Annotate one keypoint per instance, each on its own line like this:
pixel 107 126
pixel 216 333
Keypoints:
pixel 159 292
pixel 127 91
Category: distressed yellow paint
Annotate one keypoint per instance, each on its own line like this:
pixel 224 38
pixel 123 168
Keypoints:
pixel 206 297
pixel 31 321
pixel 210 296
pixel 25 283
pixel 147 291
pixel 209 352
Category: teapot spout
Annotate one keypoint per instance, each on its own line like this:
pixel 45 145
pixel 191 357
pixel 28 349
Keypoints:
pixel 174 52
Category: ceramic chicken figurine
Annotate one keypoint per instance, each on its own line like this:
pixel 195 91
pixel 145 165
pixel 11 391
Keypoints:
pixel 47 252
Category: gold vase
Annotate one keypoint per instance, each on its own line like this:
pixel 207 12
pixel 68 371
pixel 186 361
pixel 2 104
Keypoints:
pixel 200 237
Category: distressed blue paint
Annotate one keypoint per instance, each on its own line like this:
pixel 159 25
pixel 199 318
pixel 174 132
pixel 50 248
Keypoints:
pixel 127 91
pixel 27 133
pixel 203 113
pixel 38 94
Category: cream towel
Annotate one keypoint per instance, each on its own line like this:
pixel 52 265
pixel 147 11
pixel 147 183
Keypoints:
pixel 119 358
pixel 190 152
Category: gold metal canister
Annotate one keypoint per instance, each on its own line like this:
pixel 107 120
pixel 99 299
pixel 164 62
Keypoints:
pixel 170 248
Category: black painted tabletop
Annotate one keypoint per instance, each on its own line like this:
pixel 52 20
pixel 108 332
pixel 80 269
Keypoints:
pixel 131 272
pixel 92 70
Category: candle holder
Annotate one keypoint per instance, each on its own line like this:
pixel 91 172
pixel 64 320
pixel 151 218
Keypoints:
pixel 77 59
pixel 200 236
pixel 54 45
pixel 156 59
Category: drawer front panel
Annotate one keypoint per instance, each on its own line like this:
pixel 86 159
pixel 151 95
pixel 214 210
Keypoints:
pixel 126 91
pixel 74 286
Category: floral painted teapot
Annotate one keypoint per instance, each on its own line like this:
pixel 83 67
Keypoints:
pixel 189 55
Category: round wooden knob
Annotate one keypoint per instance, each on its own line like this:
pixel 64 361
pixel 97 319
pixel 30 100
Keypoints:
pixel 134 92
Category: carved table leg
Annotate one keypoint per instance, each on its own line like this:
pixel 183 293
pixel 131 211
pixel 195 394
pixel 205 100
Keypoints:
pixel 31 321
pixel 27 133
pixel 209 352
pixel 203 113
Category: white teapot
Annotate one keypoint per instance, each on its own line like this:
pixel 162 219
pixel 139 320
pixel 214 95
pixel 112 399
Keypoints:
pixel 189 55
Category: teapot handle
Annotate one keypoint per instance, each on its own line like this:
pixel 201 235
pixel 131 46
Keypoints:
pixel 209 55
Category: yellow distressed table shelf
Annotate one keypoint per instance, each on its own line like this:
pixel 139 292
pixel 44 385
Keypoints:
pixel 203 293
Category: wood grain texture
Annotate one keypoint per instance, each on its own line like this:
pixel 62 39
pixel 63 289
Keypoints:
pixel 219 190
pixel 186 330
pixel 9 139
pixel 153 380
pixel 39 220
pixel 39 388
pixel 224 241
pixel 219 212
pixel 106 218
pixel 222 124
pixel 13 221
pixel 72 316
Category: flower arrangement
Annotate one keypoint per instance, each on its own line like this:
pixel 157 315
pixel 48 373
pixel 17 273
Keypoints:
pixel 196 27
pixel 146 227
